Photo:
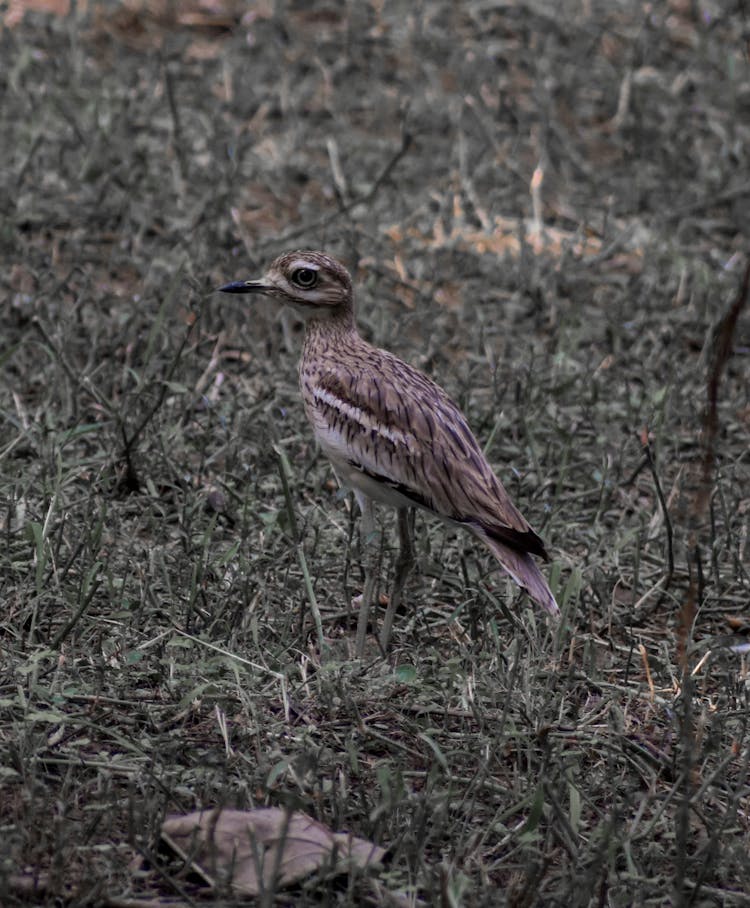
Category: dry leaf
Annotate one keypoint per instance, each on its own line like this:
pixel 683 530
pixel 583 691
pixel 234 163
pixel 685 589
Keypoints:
pixel 737 622
pixel 255 849
pixel 16 9
pixel 448 295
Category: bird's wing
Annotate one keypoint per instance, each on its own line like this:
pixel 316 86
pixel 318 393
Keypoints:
pixel 394 424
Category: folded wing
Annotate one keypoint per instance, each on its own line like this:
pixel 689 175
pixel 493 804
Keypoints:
pixel 419 445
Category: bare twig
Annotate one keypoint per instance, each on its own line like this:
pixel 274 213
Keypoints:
pixel 722 350
pixel 319 223
pixel 177 137
pixel 649 460
pixel 728 195
pixel 131 477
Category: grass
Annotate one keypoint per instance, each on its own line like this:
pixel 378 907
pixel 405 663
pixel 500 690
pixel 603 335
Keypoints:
pixel 178 565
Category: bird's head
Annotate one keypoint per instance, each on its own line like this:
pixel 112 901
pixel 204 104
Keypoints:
pixel 313 283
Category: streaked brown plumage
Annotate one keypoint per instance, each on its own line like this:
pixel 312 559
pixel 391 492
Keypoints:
pixel 390 432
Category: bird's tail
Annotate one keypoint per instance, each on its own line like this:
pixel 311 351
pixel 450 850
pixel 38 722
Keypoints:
pixel 524 570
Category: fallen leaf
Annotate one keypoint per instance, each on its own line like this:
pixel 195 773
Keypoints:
pixel 255 850
pixel 449 296
pixel 737 622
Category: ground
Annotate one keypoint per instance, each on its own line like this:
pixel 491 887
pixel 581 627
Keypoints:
pixel 545 207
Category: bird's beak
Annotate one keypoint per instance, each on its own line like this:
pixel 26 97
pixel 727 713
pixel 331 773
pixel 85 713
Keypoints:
pixel 245 287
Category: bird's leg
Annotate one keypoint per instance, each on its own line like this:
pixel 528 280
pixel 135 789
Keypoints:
pixel 404 565
pixel 370 549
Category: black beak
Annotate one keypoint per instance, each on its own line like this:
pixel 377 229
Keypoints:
pixel 244 287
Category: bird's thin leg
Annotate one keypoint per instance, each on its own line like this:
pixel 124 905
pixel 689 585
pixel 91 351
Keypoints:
pixel 370 548
pixel 404 565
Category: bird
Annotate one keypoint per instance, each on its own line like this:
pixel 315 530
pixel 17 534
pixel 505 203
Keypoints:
pixel 392 435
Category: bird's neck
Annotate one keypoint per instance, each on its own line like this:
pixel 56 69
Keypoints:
pixel 331 330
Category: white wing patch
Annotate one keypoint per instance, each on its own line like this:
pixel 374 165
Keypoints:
pixel 337 425
pixel 349 413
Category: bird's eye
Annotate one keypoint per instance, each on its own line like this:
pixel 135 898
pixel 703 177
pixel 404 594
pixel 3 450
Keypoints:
pixel 305 278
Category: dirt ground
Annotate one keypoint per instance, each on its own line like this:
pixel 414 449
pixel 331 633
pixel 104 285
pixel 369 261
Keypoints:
pixel 546 207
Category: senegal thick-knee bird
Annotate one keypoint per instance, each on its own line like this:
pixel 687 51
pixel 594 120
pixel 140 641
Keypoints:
pixel 391 433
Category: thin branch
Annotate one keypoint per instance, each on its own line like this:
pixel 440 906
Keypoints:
pixel 319 223
pixel 728 195
pixel 131 477
pixel 177 135
pixel 723 349
pixel 649 460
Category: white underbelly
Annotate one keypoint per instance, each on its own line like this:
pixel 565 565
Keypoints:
pixel 376 490
pixel 338 450
pixel 353 478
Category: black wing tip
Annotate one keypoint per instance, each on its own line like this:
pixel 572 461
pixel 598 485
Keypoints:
pixel 526 542
pixel 523 542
